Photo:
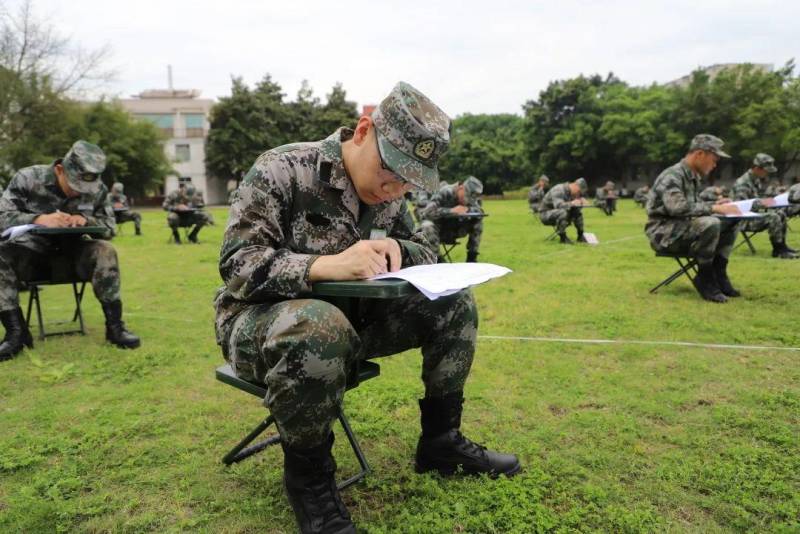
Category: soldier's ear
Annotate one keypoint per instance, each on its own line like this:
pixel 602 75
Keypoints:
pixel 362 129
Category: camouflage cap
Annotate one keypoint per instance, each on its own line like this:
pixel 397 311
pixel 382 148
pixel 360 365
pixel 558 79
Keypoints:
pixel 413 133
pixel 765 161
pixel 473 187
pixel 609 185
pixel 118 188
pixel 582 185
pixel 709 143
pixel 83 165
pixel 544 178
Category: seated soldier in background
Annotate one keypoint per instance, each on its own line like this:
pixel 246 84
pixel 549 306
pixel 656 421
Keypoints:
pixel 119 203
pixel 419 199
pixel 774 189
pixel 334 210
pixel 561 207
pixel 606 198
pixel 640 195
pixel 185 209
pixel 66 193
pixel 712 193
pixel 794 200
pixel 752 184
pixel 439 225
pixel 537 192
pixel 680 223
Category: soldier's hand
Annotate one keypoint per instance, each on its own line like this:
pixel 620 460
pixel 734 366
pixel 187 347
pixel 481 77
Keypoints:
pixel 726 209
pixel 76 220
pixel 460 210
pixel 767 202
pixel 56 219
pixel 723 200
pixel 391 251
pixel 362 260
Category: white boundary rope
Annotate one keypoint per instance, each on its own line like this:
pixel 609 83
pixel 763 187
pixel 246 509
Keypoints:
pixel 640 342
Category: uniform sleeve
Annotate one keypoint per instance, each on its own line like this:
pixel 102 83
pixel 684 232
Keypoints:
pixel 415 248
pixel 103 214
pixel 255 263
pixel 437 207
pixel 559 202
pixel 13 204
pixel 741 191
pixel 677 205
pixel 169 202
pixel 794 194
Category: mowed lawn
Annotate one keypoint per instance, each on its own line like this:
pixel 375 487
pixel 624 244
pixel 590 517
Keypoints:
pixel 613 437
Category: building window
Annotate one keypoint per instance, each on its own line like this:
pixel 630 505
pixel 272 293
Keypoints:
pixel 194 124
pixel 183 180
pixel 182 153
pixel 163 121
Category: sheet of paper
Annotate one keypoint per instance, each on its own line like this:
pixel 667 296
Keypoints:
pixel 441 279
pixel 16 231
pixel 591 238
pixel 744 206
pixel 781 200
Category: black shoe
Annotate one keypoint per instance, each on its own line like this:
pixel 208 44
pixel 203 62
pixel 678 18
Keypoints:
pixel 564 239
pixel 309 479
pixel 706 284
pixel 582 238
pixel 138 231
pixel 780 250
pixel 720 266
pixel 790 249
pixel 443 448
pixel 193 235
pixel 176 237
pixel 472 257
pixel 17 334
pixel 116 333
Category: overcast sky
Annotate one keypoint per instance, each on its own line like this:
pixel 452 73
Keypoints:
pixel 468 56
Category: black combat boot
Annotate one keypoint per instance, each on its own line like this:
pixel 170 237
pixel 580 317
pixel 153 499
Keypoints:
pixel 780 250
pixel 308 476
pixel 176 237
pixel 193 234
pixel 706 284
pixel 564 239
pixel 443 448
pixel 472 257
pixel 116 332
pixel 17 334
pixel 138 230
pixel 581 238
pixel 720 266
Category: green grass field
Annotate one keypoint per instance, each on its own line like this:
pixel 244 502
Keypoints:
pixel 613 437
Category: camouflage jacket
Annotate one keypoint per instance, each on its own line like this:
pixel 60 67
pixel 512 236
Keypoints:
pixel 178 197
pixel 640 195
pixel 121 198
pixel 442 201
pixel 602 195
pixel 709 194
pixel 34 191
pixel 673 202
pixel 794 194
pixel 748 186
pixel 536 194
pixel 557 198
pixel 295 204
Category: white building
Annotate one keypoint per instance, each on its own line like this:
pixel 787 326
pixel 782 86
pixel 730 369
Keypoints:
pixel 183 118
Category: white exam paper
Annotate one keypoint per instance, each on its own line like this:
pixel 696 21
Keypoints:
pixel 16 231
pixel 441 279
pixel 781 200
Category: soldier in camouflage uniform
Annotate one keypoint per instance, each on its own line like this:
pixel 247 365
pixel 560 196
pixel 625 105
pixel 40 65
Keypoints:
pixel 119 202
pixel 562 206
pixel 680 223
pixel 640 195
pixel 185 206
pixel 67 193
pixel 537 192
pixel 752 184
pixel 606 198
pixel 334 210
pixel 712 193
pixel 438 224
pixel 794 199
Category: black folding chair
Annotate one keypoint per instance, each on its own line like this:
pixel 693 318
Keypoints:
pixel 747 236
pixel 687 266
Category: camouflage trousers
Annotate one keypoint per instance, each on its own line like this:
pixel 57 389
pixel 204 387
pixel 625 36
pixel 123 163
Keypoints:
pixel 562 218
pixel 198 219
pixel 94 261
pixel 129 216
pixel 447 231
pixel 607 205
pixel 792 211
pixel 774 221
pixel 302 349
pixel 705 238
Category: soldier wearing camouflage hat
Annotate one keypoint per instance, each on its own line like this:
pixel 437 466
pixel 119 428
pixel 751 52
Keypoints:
pixel 122 208
pixel 561 207
pixel 606 198
pixel 334 210
pixel 640 195
pixel 66 193
pixel 752 185
pixel 185 206
pixel 679 222
pixel 441 221
pixel 537 192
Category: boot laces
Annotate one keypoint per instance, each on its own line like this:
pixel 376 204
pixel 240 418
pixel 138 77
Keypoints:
pixel 469 446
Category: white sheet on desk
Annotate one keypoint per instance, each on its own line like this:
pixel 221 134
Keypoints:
pixel 16 231
pixel 781 200
pixel 441 279
pixel 745 207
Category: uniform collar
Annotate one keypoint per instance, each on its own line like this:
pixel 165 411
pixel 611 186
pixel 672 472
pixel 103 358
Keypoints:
pixel 331 164
pixel 51 180
pixel 689 172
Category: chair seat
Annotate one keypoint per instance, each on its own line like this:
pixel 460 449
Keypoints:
pixel 366 370
pixel 672 255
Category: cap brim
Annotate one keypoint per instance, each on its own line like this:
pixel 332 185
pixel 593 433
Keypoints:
pixel 416 173
pixel 772 168
pixel 722 154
